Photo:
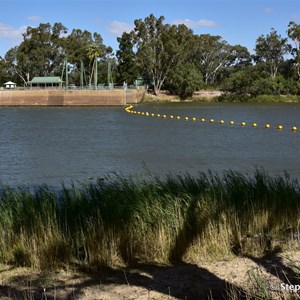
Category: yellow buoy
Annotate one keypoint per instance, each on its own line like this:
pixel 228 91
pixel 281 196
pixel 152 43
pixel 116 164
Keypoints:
pixel 143 113
pixel 194 119
pixel 134 112
pixel 171 117
pixel 152 115
pixel 231 123
pixel 158 115
pixel 178 117
pixel 139 112
pixel 164 116
pixel 212 120
pixel 254 125
pixel 294 128
pixel 268 126
pixel 280 127
pixel 222 122
pixel 186 118
pixel 243 124
pixel 202 120
pixel 147 114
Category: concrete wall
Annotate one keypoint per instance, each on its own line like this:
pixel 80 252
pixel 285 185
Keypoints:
pixel 69 98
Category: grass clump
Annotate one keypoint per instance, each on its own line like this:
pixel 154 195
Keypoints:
pixel 122 220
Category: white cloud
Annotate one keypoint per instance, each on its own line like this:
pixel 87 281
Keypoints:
pixel 194 24
pixel 9 32
pixel 117 28
pixel 268 10
pixel 34 18
pixel 296 17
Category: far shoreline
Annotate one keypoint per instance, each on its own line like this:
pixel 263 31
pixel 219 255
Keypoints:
pixel 218 96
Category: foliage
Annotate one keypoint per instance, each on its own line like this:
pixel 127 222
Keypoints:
pixel 270 51
pixel 156 51
pixel 238 82
pixel 40 53
pixel 3 71
pixel 294 34
pixel 44 49
pixel 185 80
pixel 83 47
pixel 127 66
pixel 160 48
pixel 250 81
pixel 212 53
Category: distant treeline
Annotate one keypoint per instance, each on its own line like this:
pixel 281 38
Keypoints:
pixel 162 56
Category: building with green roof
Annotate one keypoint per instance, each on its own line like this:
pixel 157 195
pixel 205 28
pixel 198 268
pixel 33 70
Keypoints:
pixel 46 82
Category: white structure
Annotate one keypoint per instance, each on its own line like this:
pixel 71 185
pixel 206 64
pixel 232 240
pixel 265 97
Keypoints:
pixel 10 85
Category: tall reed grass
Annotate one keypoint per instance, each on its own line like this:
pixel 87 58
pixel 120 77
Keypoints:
pixel 120 220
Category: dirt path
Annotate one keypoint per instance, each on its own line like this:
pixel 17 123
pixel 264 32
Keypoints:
pixel 231 279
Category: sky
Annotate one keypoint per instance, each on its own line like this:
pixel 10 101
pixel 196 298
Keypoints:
pixel 237 22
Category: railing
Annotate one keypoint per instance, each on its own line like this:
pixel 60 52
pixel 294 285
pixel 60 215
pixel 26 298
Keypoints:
pixel 73 88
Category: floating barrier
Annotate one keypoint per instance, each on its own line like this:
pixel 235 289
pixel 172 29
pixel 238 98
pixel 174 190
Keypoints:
pixel 129 109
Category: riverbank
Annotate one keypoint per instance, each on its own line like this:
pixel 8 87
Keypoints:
pixel 219 96
pixel 124 224
pixel 236 278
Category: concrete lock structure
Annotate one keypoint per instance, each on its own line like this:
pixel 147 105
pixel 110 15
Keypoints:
pixel 116 97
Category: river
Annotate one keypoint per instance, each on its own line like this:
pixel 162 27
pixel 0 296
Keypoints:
pixel 78 144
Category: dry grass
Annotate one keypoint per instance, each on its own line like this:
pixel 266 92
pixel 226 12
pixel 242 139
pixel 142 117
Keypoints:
pixel 120 221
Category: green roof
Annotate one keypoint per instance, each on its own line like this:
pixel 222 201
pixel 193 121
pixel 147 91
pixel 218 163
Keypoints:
pixel 48 79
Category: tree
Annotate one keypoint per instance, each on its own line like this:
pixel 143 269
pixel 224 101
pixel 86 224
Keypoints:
pixel 160 48
pixel 3 71
pixel 211 54
pixel 16 70
pixel 240 59
pixel 238 82
pixel 294 34
pixel 270 51
pixel 127 65
pixel 83 47
pixel 39 54
pixel 185 80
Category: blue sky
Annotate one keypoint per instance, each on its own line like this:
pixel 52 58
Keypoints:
pixel 238 22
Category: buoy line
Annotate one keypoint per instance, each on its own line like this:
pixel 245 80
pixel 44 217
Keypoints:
pixel 130 109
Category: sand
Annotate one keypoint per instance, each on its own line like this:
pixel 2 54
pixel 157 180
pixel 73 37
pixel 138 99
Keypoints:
pixel 234 278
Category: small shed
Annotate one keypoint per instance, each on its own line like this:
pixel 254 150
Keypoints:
pixel 10 85
pixel 46 82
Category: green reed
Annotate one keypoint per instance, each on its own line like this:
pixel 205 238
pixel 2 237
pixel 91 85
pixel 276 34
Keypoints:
pixel 123 219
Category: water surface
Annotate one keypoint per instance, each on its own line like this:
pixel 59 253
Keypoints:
pixel 67 144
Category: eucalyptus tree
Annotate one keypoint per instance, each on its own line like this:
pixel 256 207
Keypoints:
pixel 15 67
pixel 238 60
pixel 211 54
pixel 4 76
pixel 160 48
pixel 39 54
pixel 240 57
pixel 42 48
pixel 127 65
pixel 294 34
pixel 270 51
